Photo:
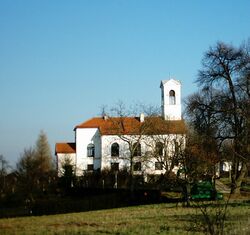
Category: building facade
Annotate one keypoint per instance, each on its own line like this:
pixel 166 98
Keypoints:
pixel 147 145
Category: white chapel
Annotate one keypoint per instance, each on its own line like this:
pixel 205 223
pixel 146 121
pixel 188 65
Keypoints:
pixel 117 142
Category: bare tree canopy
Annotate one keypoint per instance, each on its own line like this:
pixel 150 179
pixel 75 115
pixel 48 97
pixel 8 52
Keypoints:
pixel 221 107
pixel 150 140
pixel 4 165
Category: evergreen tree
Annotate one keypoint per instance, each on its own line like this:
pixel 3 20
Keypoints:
pixel 43 154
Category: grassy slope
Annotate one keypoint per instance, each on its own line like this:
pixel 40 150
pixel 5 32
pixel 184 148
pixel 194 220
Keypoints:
pixel 150 219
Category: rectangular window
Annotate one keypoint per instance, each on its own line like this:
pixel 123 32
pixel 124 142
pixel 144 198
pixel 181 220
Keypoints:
pixel 159 149
pixel 114 166
pixel 90 167
pixel 158 165
pixel 136 150
pixel 91 150
pixel 137 166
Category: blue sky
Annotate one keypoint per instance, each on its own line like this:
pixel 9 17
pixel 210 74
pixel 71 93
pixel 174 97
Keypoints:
pixel 60 61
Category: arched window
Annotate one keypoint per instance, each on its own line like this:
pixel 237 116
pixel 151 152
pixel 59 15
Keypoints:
pixel 115 150
pixel 136 149
pixel 159 149
pixel 91 150
pixel 172 97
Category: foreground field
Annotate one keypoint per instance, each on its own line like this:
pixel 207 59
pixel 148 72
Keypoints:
pixel 150 219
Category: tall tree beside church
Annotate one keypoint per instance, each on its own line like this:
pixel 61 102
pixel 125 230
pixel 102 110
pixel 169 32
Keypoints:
pixel 45 166
pixel 43 154
pixel 149 139
pixel 220 109
pixel 35 168
pixel 167 142
pixel 135 132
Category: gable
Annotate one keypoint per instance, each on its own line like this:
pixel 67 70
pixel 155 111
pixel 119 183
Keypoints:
pixel 170 81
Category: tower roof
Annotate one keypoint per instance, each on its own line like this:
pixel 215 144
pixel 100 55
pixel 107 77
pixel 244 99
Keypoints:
pixel 163 82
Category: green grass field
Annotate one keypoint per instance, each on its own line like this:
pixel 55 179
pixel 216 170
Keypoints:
pixel 149 219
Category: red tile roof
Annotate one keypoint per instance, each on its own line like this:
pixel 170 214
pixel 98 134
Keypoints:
pixel 65 148
pixel 133 126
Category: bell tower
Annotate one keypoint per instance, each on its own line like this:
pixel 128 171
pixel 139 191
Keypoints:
pixel 171 99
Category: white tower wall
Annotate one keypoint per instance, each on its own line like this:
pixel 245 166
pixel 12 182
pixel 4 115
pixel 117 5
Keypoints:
pixel 171 99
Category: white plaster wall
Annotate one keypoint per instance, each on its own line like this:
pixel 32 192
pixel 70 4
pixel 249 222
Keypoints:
pixel 85 136
pixel 61 157
pixel 103 159
pixel 148 164
pixel 107 141
pixel 124 157
pixel 171 112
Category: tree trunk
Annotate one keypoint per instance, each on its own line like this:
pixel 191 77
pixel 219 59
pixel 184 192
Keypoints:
pixel 131 180
pixel 237 177
pixel 186 189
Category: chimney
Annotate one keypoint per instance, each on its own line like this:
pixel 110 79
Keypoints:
pixel 142 117
pixel 105 117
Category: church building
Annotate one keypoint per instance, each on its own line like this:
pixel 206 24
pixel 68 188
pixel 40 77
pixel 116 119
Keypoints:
pixel 145 144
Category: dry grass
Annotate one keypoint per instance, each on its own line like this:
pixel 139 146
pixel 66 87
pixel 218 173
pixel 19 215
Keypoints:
pixel 150 219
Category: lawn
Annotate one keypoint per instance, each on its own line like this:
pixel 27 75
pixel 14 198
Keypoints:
pixel 149 219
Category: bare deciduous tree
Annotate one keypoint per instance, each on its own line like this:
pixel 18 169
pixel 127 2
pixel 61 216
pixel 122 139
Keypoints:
pixel 132 130
pixel 221 108
pixel 35 168
pixel 4 167
pixel 148 132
